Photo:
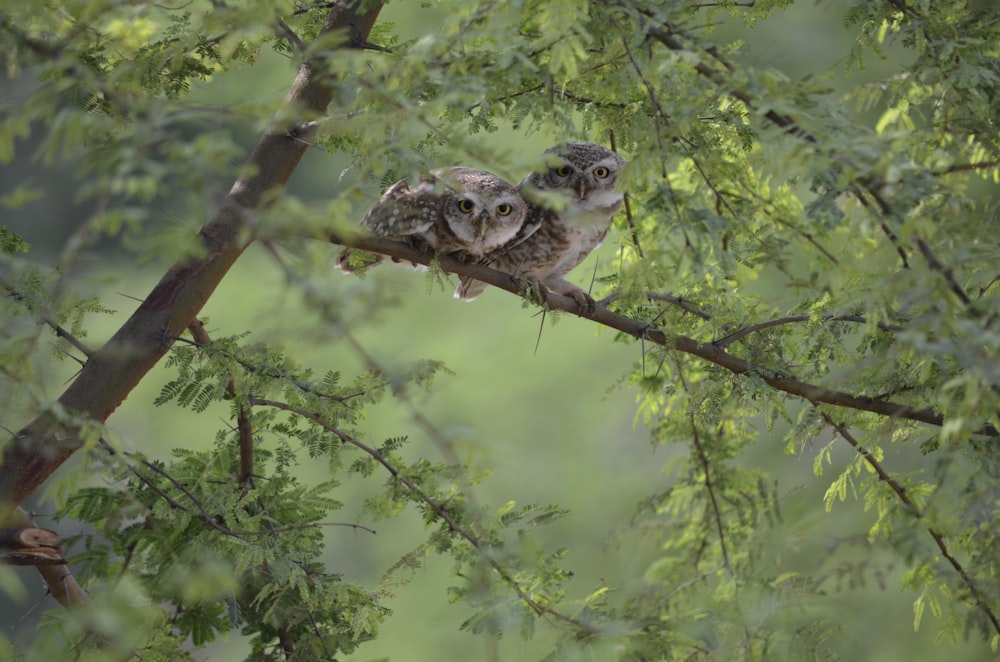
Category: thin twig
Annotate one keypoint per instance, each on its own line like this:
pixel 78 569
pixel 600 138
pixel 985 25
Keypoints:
pixel 863 188
pixel 244 425
pixel 948 275
pixel 288 33
pixel 44 317
pixel 696 438
pixel 273 374
pixel 965 167
pixel 777 218
pixel 658 296
pixel 754 328
pixel 720 198
pixel 628 206
pixel 658 112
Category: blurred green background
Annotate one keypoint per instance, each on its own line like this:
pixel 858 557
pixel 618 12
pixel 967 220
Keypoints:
pixel 552 425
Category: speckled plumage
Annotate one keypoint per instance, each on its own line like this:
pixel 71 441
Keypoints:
pixel 458 211
pixel 552 242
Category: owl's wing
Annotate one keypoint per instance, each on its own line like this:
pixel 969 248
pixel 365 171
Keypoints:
pixel 531 225
pixel 537 216
pixel 404 210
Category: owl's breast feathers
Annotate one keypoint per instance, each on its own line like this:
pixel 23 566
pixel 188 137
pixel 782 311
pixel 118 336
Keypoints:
pixel 554 247
pixel 597 209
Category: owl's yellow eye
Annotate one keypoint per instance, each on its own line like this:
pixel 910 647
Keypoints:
pixel 465 206
pixel 601 172
pixel 504 209
pixel 564 171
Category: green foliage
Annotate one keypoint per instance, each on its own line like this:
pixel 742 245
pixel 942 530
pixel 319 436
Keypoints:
pixel 832 231
pixel 10 243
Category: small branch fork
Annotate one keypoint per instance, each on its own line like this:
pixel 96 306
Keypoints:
pixel 709 351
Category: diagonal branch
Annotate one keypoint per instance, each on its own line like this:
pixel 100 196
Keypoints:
pixel 705 350
pixel 900 492
pixel 111 372
pixel 115 369
pixel 44 317
pixel 453 524
pixel 710 487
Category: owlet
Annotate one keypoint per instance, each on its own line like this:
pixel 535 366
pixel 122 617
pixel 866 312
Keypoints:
pixel 457 211
pixel 558 234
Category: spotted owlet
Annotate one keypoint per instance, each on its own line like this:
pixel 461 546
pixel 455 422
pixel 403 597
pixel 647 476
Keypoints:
pixel 461 212
pixel 562 232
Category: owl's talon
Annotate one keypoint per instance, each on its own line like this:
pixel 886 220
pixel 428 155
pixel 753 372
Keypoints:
pixel 584 301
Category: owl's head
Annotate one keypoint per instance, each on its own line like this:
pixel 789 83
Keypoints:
pixel 583 173
pixel 483 211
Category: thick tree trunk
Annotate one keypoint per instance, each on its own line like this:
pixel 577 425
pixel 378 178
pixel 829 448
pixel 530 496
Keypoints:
pixel 113 371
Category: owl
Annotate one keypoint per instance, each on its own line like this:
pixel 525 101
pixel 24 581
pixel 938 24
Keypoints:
pixel 558 234
pixel 461 212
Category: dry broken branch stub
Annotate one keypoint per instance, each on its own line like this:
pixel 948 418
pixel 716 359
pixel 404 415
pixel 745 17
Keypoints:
pixel 30 546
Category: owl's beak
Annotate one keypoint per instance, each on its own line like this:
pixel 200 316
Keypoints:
pixel 484 224
pixel 582 189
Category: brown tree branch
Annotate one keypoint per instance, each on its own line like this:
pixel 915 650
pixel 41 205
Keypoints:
pixel 705 350
pixel 27 537
pixel 115 369
pixel 112 372
pixel 58 578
